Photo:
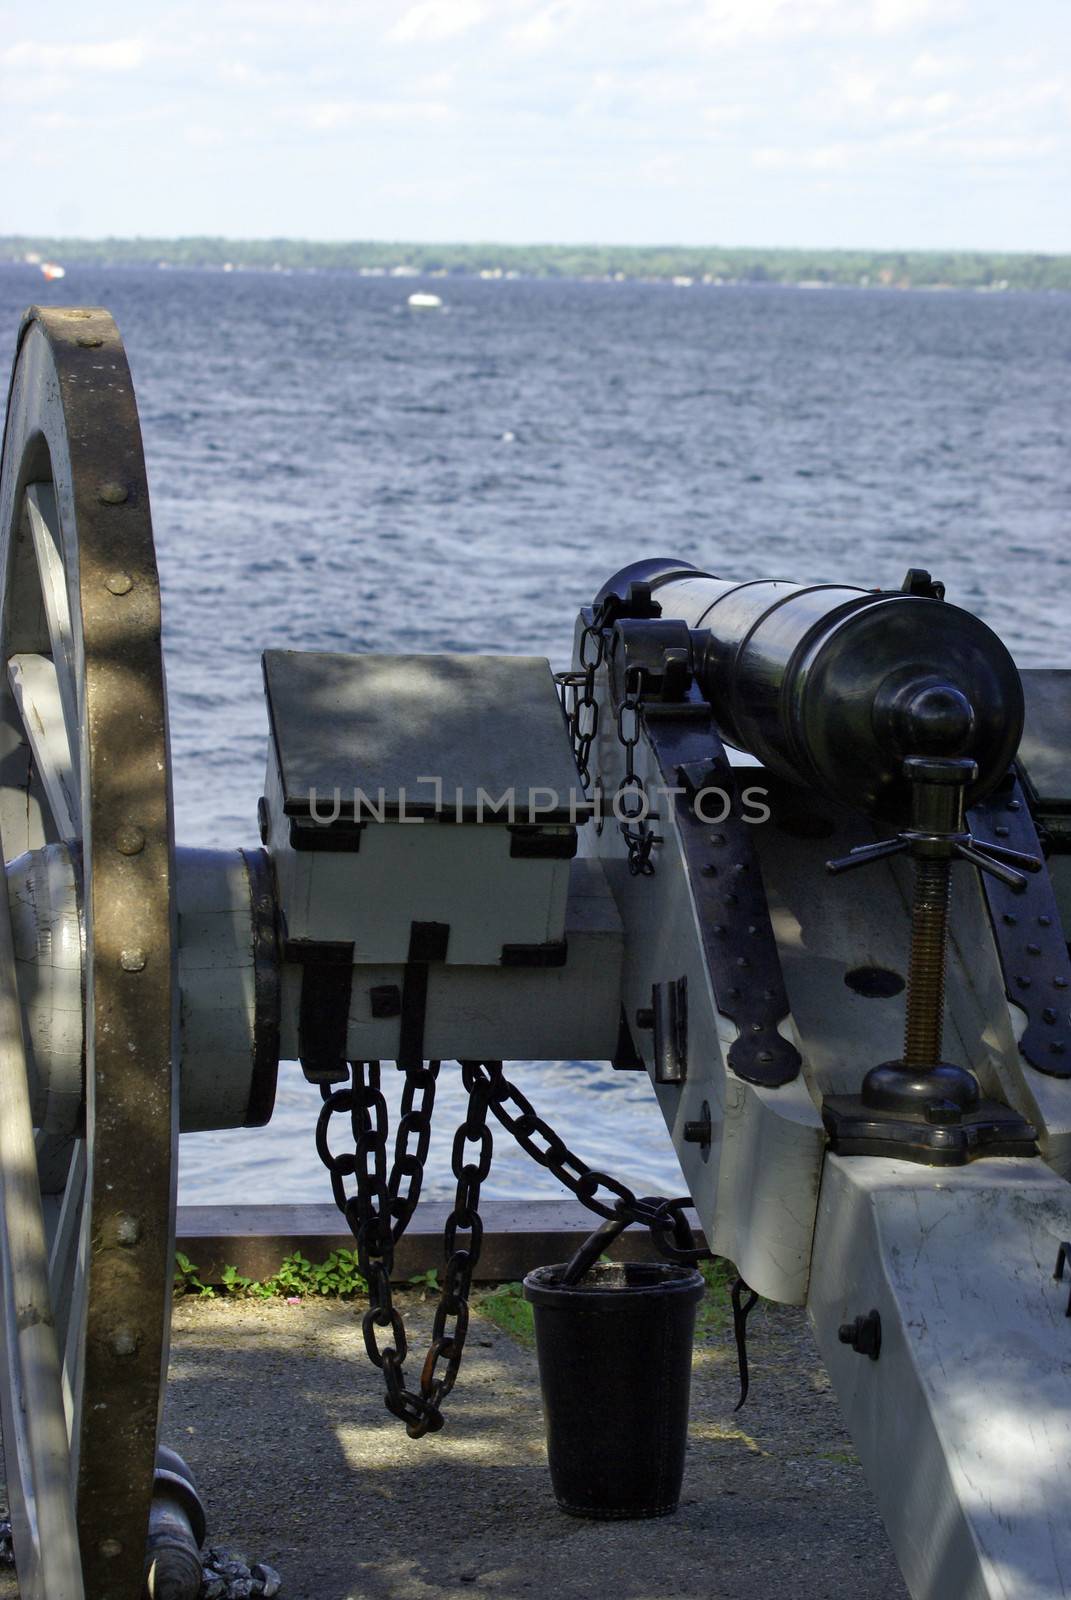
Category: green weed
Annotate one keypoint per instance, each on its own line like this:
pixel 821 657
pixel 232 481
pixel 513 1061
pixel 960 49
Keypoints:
pixel 296 1278
pixel 507 1308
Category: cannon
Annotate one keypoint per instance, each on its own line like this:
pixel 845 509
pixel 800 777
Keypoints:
pixel 782 846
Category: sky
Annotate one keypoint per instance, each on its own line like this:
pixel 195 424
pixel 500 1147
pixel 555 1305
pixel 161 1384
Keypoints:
pixel 927 124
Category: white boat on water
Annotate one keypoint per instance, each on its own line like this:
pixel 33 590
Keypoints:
pixel 424 302
pixel 52 269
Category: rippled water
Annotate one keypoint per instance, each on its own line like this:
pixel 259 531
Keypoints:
pixel 331 471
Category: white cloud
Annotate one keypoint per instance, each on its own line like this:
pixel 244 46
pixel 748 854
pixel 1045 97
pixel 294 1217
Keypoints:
pixel 819 158
pixel 928 65
pixel 325 115
pixel 437 19
pixel 115 55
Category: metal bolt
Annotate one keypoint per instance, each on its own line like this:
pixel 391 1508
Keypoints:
pixel 112 494
pixel 864 1335
pixel 1034 949
pixel 1023 981
pixel 127 1229
pixel 129 839
pixel 1009 919
pixel 645 1017
pixel 1015 805
pixel 765 1056
pixel 697 1133
pixel 119 583
pixel 110 1548
pixel 1057 1047
pixel 1044 922
pixel 742 961
pixel 1049 1014
pixel 124 1342
pixel 132 960
pixel 709 870
pixel 1060 983
pixel 719 930
pixel 1001 833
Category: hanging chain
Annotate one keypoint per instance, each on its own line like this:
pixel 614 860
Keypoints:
pixel 632 798
pixel 379 1213
pixel 670 1229
pixel 581 707
pixel 578 697
pixel 380 1210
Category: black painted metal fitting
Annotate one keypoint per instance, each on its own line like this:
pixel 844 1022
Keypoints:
pixel 864 1335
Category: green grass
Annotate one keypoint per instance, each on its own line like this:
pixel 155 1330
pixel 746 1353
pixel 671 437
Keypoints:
pixel 507 1308
pixel 716 1308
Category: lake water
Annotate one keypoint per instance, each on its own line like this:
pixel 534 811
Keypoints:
pixel 330 471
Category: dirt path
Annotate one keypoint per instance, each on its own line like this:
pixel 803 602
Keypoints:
pixel 300 1465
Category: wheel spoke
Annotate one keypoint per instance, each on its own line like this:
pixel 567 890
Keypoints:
pixel 31 1394
pixel 65 1243
pixel 44 526
pixel 35 685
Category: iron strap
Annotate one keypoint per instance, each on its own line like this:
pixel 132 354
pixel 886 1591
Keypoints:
pixel 732 912
pixel 1028 934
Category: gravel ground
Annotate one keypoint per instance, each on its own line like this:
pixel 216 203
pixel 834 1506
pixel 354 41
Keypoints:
pixel 281 1416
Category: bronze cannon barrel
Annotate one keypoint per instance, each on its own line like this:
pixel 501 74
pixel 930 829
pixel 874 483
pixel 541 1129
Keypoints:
pixel 833 686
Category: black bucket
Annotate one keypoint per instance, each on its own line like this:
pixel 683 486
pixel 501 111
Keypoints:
pixel 615 1367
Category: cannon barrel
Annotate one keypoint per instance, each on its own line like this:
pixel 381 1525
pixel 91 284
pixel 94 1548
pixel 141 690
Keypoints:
pixel 832 686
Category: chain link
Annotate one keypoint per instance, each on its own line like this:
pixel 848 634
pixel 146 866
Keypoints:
pixel 632 800
pixel 667 1219
pixel 380 1209
pixel 581 707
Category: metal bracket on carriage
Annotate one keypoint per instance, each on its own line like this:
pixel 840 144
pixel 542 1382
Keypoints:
pixel 1028 934
pixel 731 909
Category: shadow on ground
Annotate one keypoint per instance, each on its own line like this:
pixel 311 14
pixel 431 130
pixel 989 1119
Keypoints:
pixel 281 1416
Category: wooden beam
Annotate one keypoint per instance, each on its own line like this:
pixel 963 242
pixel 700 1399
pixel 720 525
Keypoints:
pixel 518 1235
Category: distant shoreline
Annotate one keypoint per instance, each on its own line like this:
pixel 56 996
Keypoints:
pixel 680 265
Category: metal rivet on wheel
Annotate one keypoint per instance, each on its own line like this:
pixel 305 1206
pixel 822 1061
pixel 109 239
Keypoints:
pixel 1049 1014
pixel 110 1548
pixel 119 583
pixel 130 839
pixel 112 494
pixel 127 1229
pixel 124 1342
pixel 132 960
pixel 1060 983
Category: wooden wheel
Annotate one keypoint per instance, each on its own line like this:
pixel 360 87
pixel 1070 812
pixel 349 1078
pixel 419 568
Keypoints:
pixel 87 1158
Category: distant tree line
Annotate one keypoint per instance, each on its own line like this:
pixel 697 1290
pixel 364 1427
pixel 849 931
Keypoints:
pixel 895 268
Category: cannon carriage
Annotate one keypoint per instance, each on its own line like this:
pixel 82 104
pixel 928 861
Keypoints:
pixel 450 869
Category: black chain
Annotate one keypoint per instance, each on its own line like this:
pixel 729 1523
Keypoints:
pixel 379 1212
pixel 581 707
pixel 632 799
pixel 669 1225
